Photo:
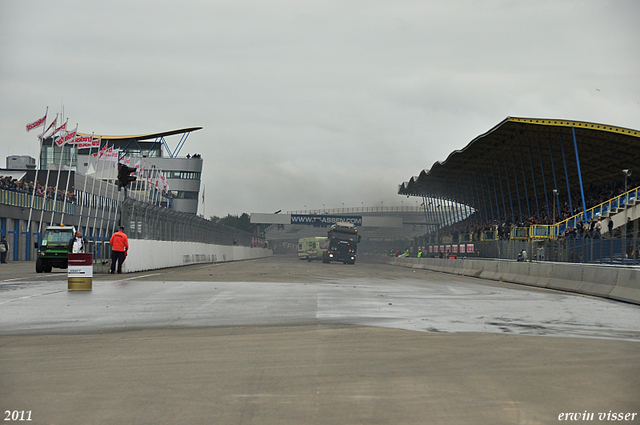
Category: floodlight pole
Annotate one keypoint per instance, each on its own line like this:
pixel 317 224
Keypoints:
pixel 627 173
pixel 555 197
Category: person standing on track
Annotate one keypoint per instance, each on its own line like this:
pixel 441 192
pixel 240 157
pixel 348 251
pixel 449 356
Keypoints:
pixel 77 244
pixel 119 245
pixel 4 249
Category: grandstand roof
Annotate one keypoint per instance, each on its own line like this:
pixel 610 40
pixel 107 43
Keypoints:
pixel 531 150
pixel 146 136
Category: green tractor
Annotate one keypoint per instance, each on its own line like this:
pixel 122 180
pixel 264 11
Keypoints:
pixel 54 249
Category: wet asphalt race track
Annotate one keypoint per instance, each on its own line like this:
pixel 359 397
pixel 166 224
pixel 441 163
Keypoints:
pixel 281 341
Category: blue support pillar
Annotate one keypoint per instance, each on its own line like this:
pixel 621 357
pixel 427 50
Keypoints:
pixel 484 216
pixel 544 182
pixel 504 204
pixel 463 198
pixel 457 204
pixel 515 177
pixel 436 209
pixel 476 211
pixel 526 191
pixel 533 180
pixel 16 239
pixel 493 216
pixel 575 146
pixel 484 199
pixel 506 169
pixel 473 202
pixel 555 182
pixel 445 216
pixel 566 174
pixel 27 254
pixel 465 214
pixel 495 191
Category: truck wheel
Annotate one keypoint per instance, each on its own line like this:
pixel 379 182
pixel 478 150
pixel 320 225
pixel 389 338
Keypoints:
pixel 39 268
pixel 47 268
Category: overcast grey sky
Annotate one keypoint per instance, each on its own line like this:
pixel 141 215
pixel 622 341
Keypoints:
pixel 312 103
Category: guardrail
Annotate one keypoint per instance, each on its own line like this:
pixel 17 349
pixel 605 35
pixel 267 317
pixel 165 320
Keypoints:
pixel 617 283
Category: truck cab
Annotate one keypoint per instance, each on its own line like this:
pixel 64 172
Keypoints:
pixel 343 244
pixel 54 248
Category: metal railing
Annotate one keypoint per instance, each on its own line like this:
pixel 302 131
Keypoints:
pixel 23 200
pixel 605 209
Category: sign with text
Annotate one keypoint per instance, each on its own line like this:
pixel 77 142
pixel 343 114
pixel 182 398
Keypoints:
pixel 80 272
pixel 325 220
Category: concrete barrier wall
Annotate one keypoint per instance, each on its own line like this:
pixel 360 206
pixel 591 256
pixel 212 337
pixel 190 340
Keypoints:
pixel 151 255
pixel 618 283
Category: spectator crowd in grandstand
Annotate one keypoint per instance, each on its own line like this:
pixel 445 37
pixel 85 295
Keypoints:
pixel 21 186
pixel 592 228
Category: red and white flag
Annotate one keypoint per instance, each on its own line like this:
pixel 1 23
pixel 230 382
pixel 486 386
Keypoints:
pixel 106 155
pixel 53 124
pixel 84 142
pixel 100 152
pixel 114 154
pixel 36 123
pixel 62 127
pixel 67 138
pixel 165 182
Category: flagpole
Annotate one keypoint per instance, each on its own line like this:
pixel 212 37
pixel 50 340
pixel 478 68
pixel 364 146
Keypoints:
pixel 46 183
pixel 133 191
pixel 146 182
pixel 66 189
pixel 35 179
pixel 95 217
pixel 93 186
pixel 161 191
pixel 84 189
pixel 46 188
pixel 157 195
pixel 113 189
pixel 55 196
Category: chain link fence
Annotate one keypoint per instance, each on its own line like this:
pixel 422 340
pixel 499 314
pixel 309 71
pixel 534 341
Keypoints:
pixel 142 220
pixel 618 250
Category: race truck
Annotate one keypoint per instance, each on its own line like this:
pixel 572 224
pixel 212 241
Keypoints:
pixel 54 249
pixel 343 243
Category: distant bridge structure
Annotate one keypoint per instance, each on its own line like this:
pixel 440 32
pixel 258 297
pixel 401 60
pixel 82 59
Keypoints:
pixel 375 224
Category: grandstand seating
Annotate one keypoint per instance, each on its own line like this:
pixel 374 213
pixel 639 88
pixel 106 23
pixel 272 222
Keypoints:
pixel 606 209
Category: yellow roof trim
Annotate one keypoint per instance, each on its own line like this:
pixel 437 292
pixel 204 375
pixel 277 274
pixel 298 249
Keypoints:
pixel 577 124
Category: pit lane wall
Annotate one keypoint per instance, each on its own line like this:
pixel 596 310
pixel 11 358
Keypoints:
pixel 617 283
pixel 151 255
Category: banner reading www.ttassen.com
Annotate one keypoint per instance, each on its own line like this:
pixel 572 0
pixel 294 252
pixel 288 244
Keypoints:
pixel 325 219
